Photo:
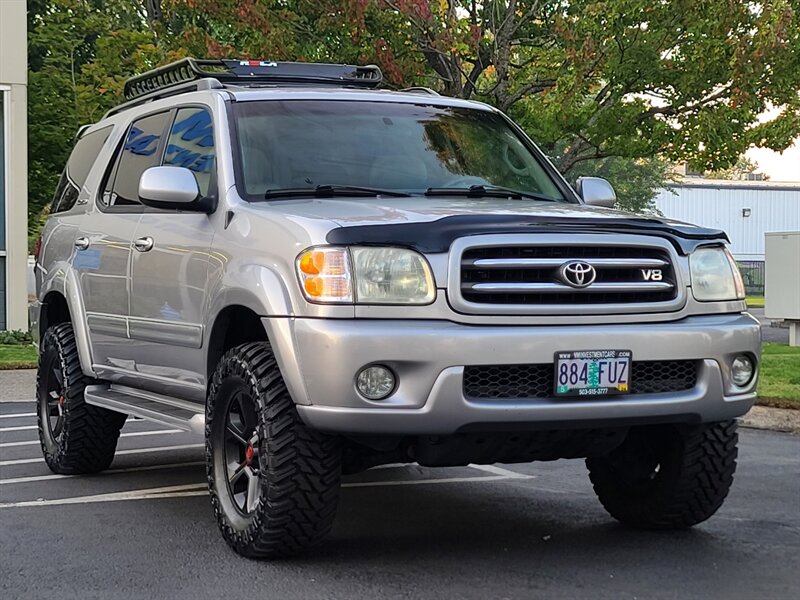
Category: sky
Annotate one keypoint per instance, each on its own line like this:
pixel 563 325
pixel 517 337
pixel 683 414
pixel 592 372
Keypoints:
pixel 779 166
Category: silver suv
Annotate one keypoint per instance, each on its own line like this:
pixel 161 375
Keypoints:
pixel 322 276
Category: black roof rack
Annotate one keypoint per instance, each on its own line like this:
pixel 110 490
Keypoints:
pixel 244 72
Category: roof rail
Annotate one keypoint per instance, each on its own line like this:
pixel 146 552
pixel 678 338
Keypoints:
pixel 173 90
pixel 250 71
pixel 418 89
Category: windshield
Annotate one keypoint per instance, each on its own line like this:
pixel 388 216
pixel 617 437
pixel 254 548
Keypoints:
pixel 290 144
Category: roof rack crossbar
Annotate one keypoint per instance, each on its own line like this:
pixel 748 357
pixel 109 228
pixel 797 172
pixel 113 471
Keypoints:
pixel 248 71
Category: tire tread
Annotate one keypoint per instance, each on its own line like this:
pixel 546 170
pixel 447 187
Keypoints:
pixel 707 463
pixel 303 465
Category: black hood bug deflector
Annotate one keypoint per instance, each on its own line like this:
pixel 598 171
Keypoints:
pixel 437 236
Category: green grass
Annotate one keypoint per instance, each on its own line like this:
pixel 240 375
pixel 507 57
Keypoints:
pixel 17 357
pixel 755 301
pixel 779 384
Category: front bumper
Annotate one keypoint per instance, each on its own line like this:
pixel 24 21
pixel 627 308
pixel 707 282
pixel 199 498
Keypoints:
pixel 319 359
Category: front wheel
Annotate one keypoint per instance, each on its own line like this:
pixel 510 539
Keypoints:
pixel 274 482
pixel 667 477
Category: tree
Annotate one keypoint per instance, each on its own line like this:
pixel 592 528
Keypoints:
pixel 602 85
pixel 739 170
pixel 628 78
pixel 636 181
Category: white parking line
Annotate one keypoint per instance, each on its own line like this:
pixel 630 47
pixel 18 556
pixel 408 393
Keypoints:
pixel 36 478
pixel 198 489
pixel 18 428
pixel 434 481
pixel 17 415
pixel 20 401
pixel 500 471
pixel 132 434
pixel 30 461
pixel 112 497
pixel 28 427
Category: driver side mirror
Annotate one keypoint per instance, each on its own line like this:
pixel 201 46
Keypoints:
pixel 596 191
pixel 172 188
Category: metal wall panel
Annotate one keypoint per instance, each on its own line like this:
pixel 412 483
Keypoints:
pixel 772 208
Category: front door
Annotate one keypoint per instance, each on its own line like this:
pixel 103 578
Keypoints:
pixel 170 264
pixel 103 256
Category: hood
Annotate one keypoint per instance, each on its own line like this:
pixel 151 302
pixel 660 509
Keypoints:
pixel 431 224
pixel 382 211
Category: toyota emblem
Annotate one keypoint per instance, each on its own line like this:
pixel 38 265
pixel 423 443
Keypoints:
pixel 577 274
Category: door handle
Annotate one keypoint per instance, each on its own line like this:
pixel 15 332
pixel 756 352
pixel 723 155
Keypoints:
pixel 82 243
pixel 144 244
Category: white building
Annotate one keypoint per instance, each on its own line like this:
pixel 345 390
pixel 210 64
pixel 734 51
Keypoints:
pixel 745 210
pixel 13 165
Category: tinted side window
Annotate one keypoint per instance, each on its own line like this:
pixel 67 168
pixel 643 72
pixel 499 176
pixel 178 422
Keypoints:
pixel 141 150
pixel 78 166
pixel 191 145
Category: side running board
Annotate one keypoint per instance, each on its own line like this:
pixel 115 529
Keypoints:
pixel 172 412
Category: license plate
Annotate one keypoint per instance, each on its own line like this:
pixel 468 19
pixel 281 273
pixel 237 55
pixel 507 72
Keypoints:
pixel 593 372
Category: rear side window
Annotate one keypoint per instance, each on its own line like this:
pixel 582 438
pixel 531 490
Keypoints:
pixel 80 162
pixel 142 149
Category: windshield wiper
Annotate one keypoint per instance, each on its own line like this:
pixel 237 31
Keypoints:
pixel 329 191
pixel 486 191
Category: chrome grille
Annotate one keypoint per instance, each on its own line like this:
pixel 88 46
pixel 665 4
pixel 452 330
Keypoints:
pixel 518 382
pixel 529 275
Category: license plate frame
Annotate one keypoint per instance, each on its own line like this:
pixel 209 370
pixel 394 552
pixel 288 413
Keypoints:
pixel 590 375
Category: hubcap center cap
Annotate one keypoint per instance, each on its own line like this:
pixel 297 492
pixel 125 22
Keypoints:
pixel 248 454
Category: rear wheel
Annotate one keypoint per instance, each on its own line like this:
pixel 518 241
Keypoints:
pixel 274 482
pixel 667 477
pixel 76 437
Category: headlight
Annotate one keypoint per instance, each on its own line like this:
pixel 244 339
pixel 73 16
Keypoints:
pixel 715 276
pixel 365 275
pixel 392 276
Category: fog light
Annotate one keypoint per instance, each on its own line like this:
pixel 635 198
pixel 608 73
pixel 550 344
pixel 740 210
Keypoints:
pixel 375 382
pixel 742 370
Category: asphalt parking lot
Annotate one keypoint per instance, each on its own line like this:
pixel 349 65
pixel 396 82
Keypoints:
pixel 144 529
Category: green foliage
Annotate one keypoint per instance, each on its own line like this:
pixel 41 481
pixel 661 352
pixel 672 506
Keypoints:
pixel 636 181
pixel 600 84
pixel 15 338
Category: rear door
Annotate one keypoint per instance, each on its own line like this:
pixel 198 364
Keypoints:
pixel 103 244
pixel 170 264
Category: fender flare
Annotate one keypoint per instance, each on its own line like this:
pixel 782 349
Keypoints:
pixel 62 280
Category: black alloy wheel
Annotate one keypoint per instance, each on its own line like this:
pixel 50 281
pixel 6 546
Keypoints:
pixel 274 482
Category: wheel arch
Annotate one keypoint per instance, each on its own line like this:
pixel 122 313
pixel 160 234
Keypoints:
pixel 54 310
pixel 233 325
pixel 61 303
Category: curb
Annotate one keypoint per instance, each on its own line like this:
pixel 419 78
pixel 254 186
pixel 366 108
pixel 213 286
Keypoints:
pixel 773 419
